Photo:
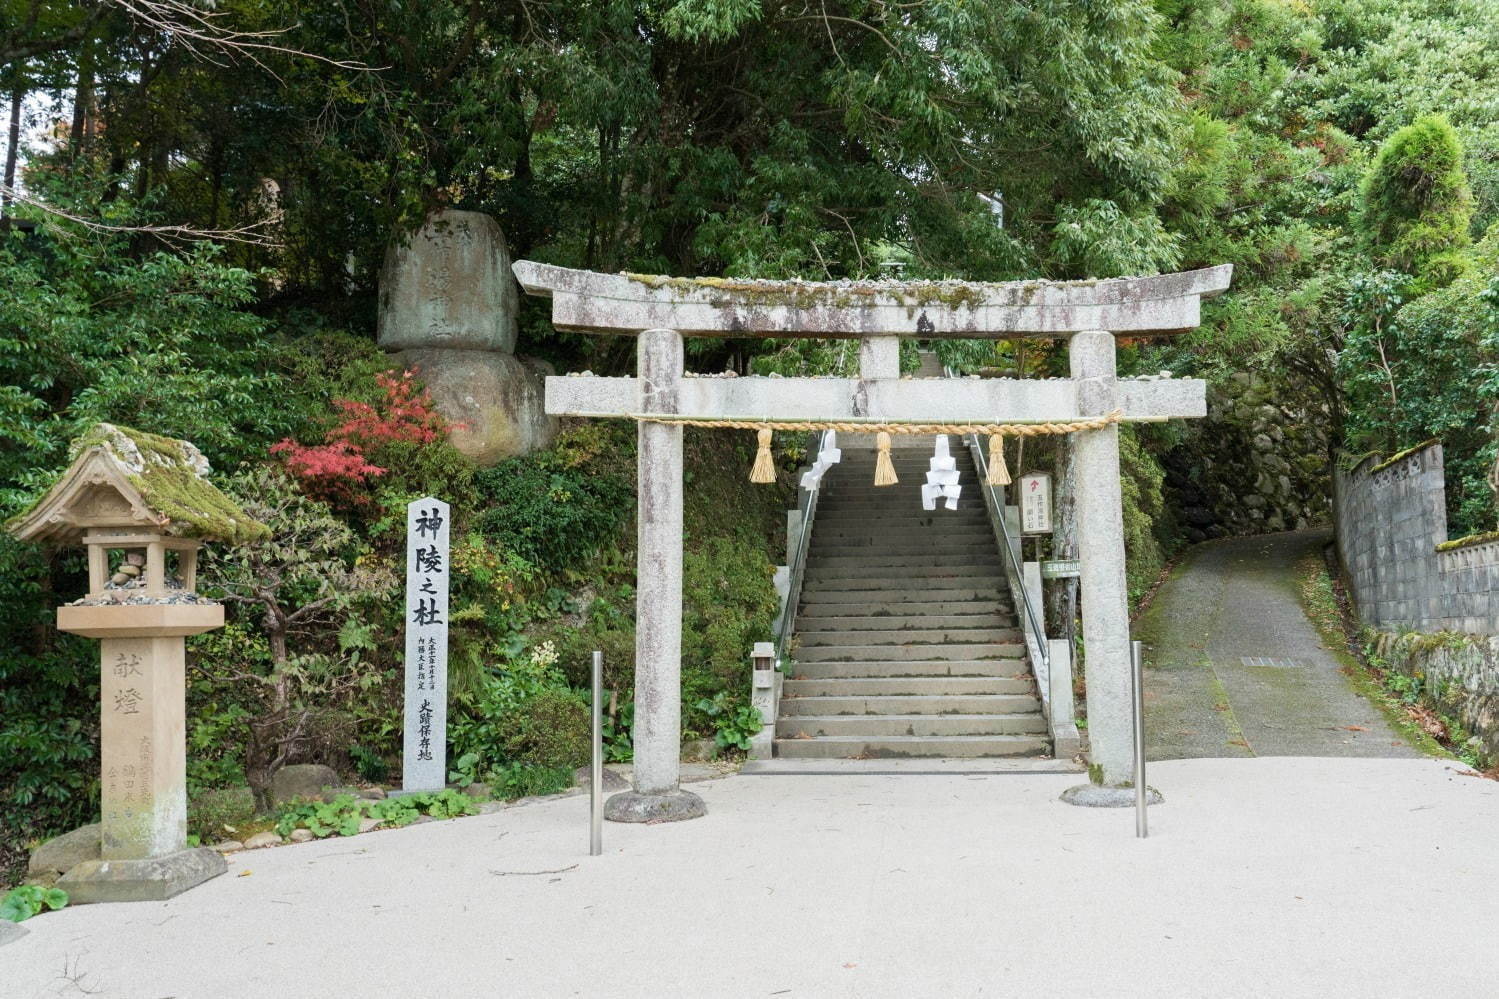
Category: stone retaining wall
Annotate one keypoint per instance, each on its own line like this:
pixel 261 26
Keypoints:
pixel 1460 676
pixel 1391 518
pixel 1256 465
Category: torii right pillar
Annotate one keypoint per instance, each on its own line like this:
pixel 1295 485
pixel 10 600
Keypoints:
pixel 1105 596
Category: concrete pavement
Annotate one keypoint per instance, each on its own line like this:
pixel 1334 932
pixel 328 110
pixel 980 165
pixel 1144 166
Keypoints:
pixel 1284 877
pixel 1234 668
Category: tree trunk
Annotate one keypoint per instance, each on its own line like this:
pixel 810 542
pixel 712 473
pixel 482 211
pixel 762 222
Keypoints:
pixel 13 143
pixel 83 105
pixel 265 750
pixel 1063 603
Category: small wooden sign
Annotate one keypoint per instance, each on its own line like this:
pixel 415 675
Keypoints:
pixel 1035 503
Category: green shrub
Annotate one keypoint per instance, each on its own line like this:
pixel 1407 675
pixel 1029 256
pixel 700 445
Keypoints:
pixel 342 815
pixel 1415 200
pixel 522 780
pixel 1148 522
pixel 49 707
pixel 218 814
pixel 550 730
pixel 551 515
pixel 728 604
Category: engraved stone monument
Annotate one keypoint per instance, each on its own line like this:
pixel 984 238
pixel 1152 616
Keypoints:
pixel 142 506
pixel 447 308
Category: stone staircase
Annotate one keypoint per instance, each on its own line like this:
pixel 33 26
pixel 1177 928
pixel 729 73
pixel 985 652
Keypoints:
pixel 906 641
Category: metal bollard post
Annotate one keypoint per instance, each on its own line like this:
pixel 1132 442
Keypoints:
pixel 1137 662
pixel 596 771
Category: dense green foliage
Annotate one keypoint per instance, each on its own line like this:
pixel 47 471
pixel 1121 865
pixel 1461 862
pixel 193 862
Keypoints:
pixel 1415 201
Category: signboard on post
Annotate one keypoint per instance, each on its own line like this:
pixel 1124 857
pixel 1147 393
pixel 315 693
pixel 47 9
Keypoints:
pixel 1062 569
pixel 425 750
pixel 1035 503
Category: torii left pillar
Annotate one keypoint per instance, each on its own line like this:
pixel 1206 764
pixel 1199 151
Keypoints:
pixel 656 795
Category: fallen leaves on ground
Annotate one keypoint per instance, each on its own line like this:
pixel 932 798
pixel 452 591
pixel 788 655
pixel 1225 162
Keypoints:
pixel 1428 721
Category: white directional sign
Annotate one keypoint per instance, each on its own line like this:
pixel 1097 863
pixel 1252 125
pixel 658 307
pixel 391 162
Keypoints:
pixel 426 742
pixel 1035 503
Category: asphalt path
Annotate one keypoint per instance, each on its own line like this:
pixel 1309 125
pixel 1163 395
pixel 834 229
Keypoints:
pixel 1234 668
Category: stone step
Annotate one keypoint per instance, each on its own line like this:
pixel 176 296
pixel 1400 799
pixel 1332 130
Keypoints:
pixel 901 534
pixel 862 747
pixel 912 704
pixel 902 610
pixel 908 637
pixel 906 653
pixel 1004 625
pixel 934 547
pixel 885 560
pixel 876 602
pixel 915 686
pixel 990 570
pixel 817 726
pixel 861 461
pixel 902 490
pixel 909 527
pixel 912 667
pixel 934 766
pixel 929 588
pixel 909 508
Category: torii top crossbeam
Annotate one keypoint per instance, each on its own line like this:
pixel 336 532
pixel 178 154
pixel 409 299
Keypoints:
pixel 628 303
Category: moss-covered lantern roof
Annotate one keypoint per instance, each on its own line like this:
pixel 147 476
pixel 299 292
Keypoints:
pixel 121 478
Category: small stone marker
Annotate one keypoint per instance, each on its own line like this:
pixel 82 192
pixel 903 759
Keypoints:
pixel 1035 503
pixel 426 744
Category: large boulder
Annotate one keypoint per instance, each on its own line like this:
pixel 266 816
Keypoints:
pixel 59 855
pixel 449 286
pixel 301 780
pixel 497 399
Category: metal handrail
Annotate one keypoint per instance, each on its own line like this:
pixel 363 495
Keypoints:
pixel 997 503
pixel 796 561
pixel 1037 629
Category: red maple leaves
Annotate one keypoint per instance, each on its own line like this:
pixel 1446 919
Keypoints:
pixel 340 470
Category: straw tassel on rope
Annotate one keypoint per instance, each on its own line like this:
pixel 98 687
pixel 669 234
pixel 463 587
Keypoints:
pixel 884 470
pixel 764 470
pixel 999 472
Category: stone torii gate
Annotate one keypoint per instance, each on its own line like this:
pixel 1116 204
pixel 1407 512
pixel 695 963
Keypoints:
pixel 663 310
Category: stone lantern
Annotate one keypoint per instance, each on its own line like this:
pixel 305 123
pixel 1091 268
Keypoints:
pixel 142 506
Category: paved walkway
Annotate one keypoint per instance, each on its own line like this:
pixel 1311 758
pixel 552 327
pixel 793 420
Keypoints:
pixel 1234 668
pixel 1263 877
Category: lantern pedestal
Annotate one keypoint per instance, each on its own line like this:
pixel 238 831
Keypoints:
pixel 151 880
pixel 142 750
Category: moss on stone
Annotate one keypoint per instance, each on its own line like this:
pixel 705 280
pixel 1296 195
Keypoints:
pixel 1487 537
pixel 171 476
pixel 1395 459
pixel 950 295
